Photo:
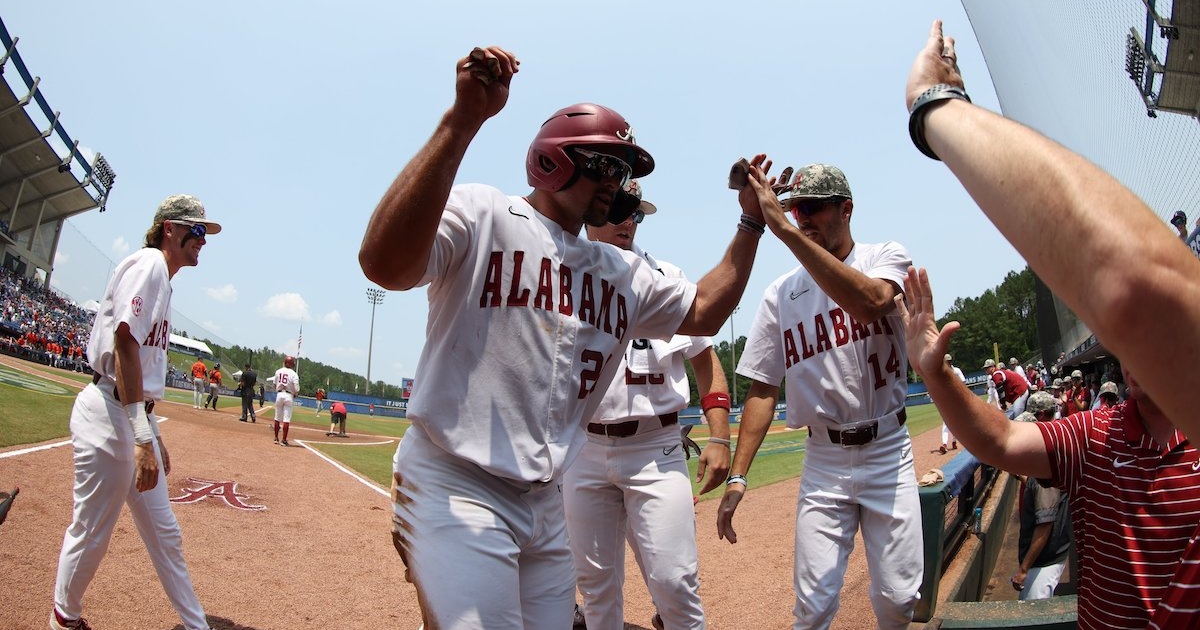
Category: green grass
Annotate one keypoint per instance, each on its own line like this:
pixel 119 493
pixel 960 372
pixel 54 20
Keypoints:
pixel 28 417
pixel 373 462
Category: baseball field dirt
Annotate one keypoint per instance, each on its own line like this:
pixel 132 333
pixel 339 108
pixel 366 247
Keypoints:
pixel 281 537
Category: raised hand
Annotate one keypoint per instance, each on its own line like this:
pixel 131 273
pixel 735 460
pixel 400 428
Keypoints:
pixel 481 87
pixel 926 344
pixel 936 63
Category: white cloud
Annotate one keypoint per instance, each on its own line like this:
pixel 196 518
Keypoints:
pixel 347 352
pixel 120 247
pixel 211 326
pixel 332 318
pixel 288 347
pixel 61 258
pixel 289 306
pixel 225 295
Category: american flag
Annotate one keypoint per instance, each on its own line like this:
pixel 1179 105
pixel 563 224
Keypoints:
pixel 299 339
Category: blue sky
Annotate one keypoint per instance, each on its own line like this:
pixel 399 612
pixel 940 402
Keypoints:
pixel 290 120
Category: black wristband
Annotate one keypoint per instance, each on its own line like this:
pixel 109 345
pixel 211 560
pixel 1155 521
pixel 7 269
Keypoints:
pixel 921 108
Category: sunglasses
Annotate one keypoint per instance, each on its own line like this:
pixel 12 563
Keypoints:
pixel 198 230
pixel 601 166
pixel 638 216
pixel 809 207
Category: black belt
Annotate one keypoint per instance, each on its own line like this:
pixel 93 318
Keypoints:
pixel 629 427
pixel 96 378
pixel 863 434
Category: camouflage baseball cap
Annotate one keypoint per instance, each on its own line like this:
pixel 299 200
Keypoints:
pixel 634 188
pixel 816 181
pixel 185 208
pixel 1039 401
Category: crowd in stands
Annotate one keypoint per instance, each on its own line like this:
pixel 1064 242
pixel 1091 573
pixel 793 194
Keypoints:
pixel 40 325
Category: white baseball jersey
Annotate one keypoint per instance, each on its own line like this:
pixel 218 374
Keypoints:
pixel 286 380
pixel 138 294
pixel 652 362
pixel 838 370
pixel 959 373
pixel 526 322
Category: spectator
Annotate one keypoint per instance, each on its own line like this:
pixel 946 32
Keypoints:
pixel 1045 536
pixel 1108 395
pixel 1179 220
pixel 1077 397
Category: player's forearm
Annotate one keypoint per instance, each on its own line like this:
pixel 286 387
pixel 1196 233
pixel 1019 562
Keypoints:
pixel 710 379
pixel 1038 542
pixel 412 207
pixel 1041 195
pixel 865 298
pixel 127 352
pixel 984 430
pixel 719 291
pixel 757 414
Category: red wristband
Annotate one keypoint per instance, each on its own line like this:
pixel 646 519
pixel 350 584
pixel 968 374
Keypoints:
pixel 718 400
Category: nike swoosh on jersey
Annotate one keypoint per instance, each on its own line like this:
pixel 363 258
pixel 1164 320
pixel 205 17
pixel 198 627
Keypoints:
pixel 515 213
pixel 794 294
pixel 1196 465
pixel 1120 464
pixel 670 449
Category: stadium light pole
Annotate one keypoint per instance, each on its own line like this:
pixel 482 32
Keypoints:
pixel 732 361
pixel 374 296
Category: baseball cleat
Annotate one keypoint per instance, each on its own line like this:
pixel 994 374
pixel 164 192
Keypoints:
pixel 285 443
pixel 579 621
pixel 656 621
pixel 58 623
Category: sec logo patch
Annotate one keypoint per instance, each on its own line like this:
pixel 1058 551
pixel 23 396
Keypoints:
pixel 137 305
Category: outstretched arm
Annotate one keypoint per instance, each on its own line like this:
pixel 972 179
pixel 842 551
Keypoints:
pixel 1014 446
pixel 1040 195
pixel 710 379
pixel 412 206
pixel 757 415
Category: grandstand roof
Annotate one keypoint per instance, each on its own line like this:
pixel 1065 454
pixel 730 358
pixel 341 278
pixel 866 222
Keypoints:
pixel 1180 90
pixel 45 182
pixel 198 346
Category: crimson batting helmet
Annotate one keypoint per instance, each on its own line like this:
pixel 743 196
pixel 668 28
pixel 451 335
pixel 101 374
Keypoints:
pixel 548 166
pixel 289 361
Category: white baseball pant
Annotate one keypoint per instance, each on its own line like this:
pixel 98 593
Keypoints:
pixel 872 486
pixel 197 392
pixel 634 487
pixel 1040 582
pixel 483 552
pixel 283 407
pixel 1018 406
pixel 104 481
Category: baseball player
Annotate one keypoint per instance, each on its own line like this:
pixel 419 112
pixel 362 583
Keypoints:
pixel 287 385
pixel 631 476
pixel 1012 390
pixel 215 379
pixel 527 324
pixel 199 382
pixel 830 327
pixel 337 419
pixel 120 457
pixel 947 436
pixel 320 396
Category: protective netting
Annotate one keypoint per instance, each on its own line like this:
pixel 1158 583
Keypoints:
pixel 1059 67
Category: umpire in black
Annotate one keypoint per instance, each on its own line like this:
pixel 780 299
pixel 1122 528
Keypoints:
pixel 246 385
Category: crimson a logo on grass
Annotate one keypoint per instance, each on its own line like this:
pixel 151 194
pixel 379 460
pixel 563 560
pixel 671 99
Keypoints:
pixel 223 490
